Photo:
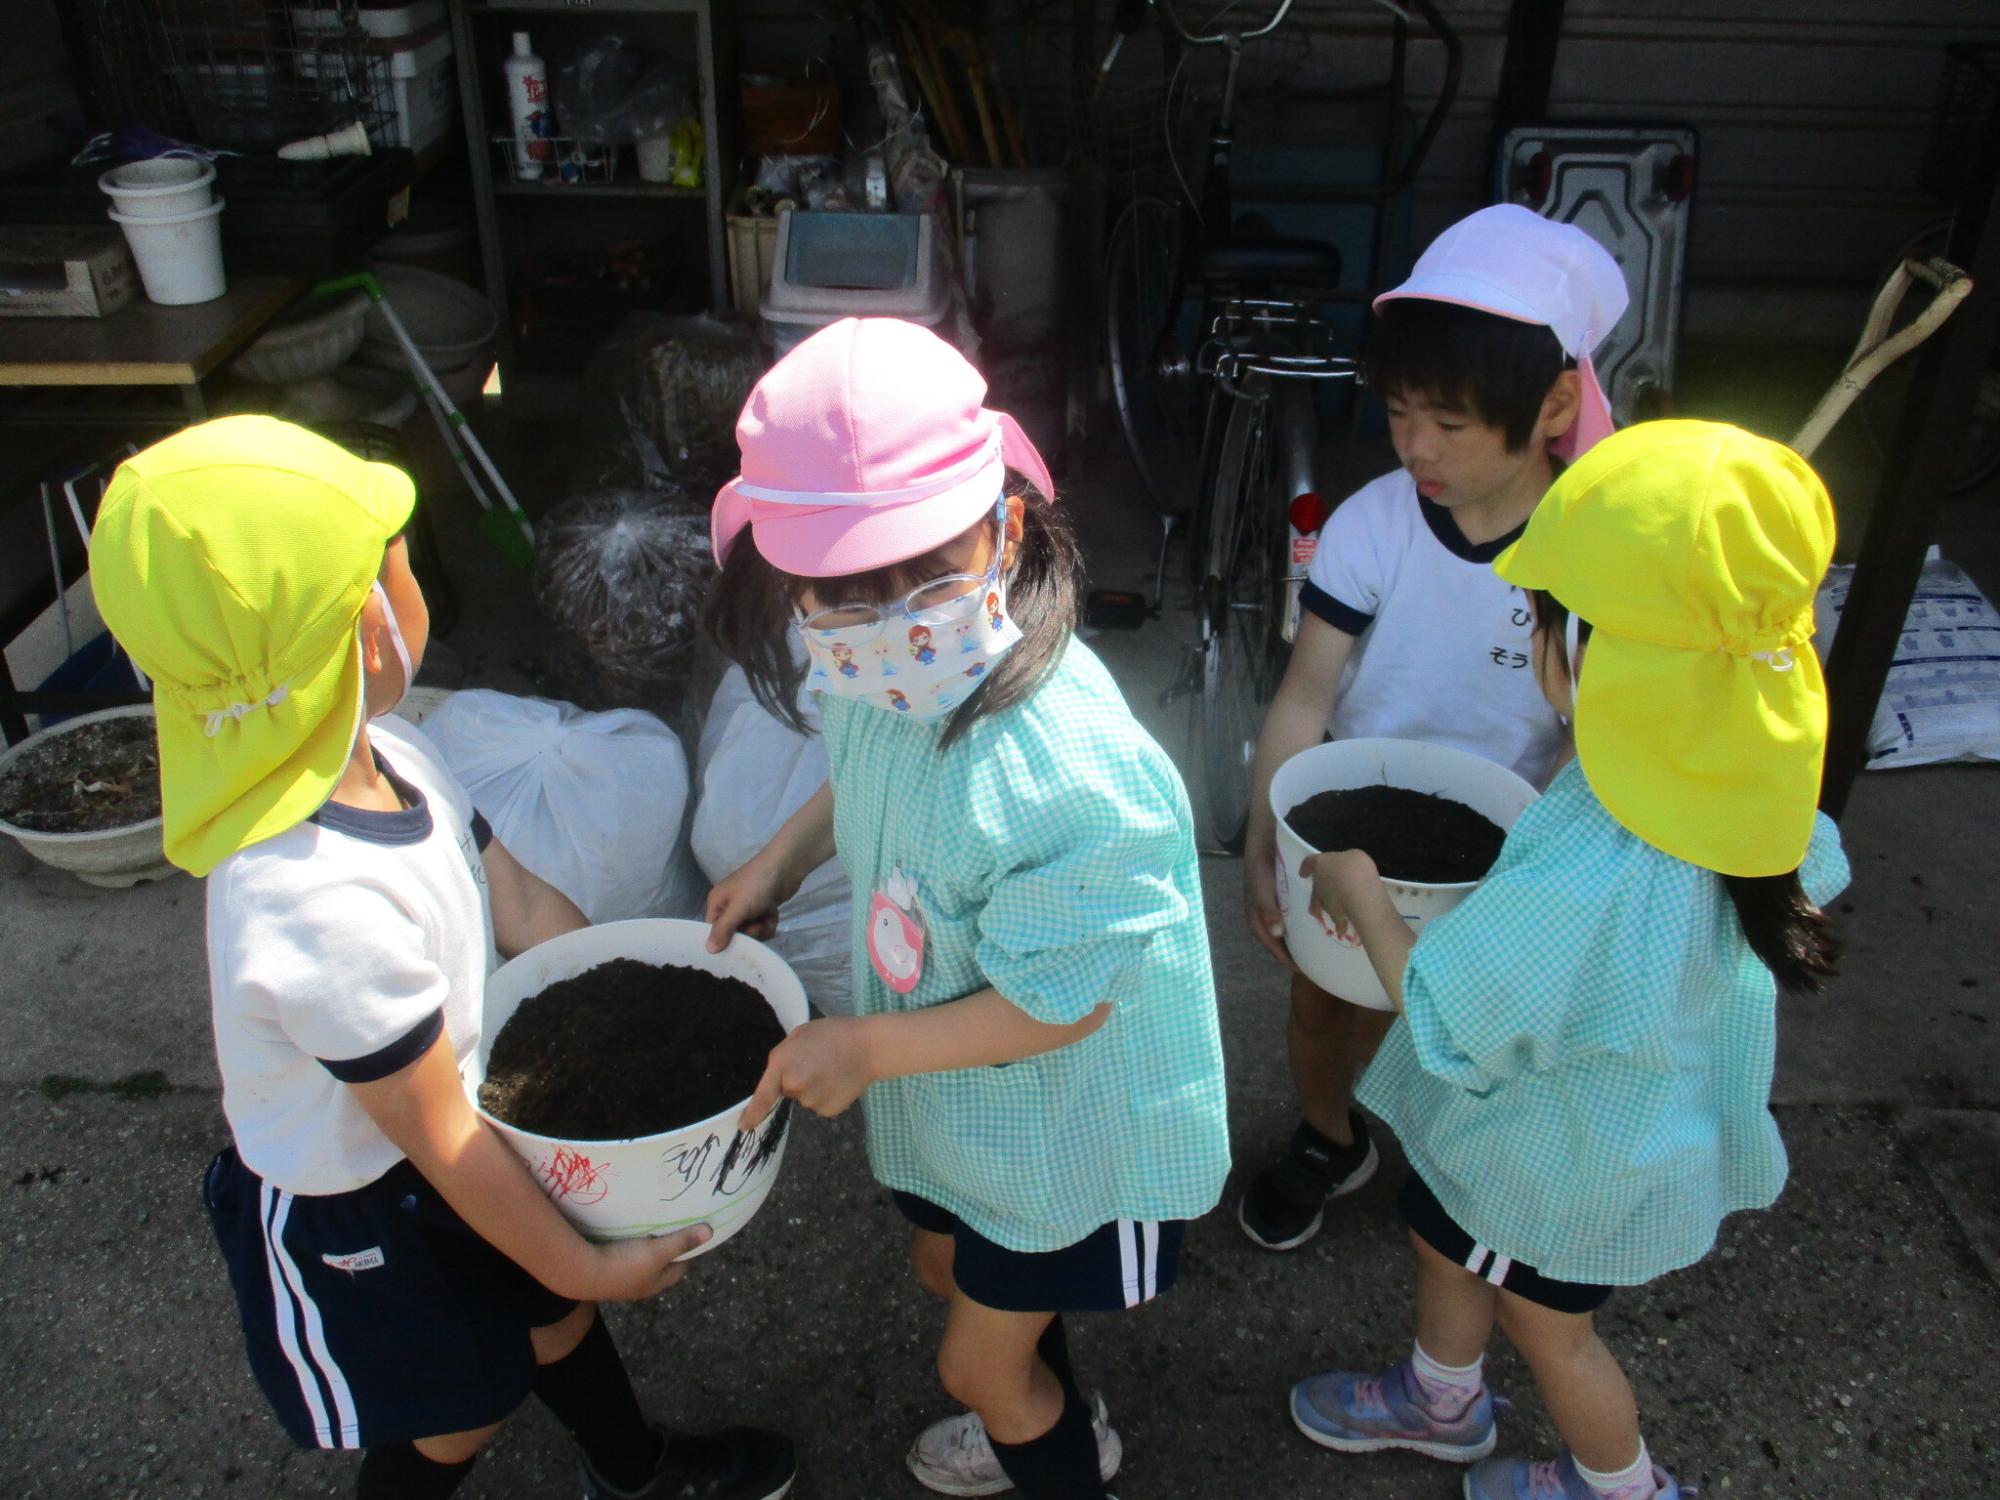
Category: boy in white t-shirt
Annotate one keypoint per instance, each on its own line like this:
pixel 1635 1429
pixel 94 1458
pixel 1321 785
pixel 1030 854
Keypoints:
pixel 1483 360
pixel 403 1282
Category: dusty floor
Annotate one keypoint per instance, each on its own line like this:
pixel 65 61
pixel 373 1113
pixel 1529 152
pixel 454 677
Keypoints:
pixel 1831 1347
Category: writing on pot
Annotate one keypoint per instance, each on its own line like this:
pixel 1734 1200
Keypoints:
pixel 725 1169
pixel 571 1177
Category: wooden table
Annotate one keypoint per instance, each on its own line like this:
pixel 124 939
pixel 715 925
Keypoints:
pixel 143 344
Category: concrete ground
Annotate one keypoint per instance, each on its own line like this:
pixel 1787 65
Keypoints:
pixel 1831 1347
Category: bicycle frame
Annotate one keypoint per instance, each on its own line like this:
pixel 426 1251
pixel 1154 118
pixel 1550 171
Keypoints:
pixel 1282 341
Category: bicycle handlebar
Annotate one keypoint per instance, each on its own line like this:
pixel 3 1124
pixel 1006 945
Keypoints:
pixel 1427 10
pixel 1220 38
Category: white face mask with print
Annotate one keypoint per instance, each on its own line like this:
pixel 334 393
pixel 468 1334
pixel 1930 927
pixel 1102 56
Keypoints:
pixel 922 655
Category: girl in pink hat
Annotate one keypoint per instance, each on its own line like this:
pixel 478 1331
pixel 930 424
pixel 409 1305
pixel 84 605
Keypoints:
pixel 1035 1029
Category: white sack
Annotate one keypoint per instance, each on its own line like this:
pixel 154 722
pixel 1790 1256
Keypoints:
pixel 1942 699
pixel 756 771
pixel 592 803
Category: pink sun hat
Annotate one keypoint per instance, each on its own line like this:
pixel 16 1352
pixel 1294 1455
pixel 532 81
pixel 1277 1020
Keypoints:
pixel 866 445
pixel 1512 262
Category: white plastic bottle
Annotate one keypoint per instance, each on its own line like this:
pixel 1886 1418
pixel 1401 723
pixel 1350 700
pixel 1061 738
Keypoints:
pixel 528 102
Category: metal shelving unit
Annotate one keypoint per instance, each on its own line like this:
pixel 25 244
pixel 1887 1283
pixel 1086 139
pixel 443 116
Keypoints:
pixel 519 220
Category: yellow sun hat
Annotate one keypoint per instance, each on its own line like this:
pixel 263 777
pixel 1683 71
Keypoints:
pixel 1694 551
pixel 232 560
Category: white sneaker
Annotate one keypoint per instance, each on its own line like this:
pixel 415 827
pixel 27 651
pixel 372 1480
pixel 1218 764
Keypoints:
pixel 955 1457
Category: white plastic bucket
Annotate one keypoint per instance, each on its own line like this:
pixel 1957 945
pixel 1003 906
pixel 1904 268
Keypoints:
pixel 160 188
pixel 707 1173
pixel 1339 964
pixel 180 258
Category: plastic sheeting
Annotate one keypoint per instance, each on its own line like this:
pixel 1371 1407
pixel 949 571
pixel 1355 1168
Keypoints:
pixel 592 803
pixel 623 573
pixel 754 772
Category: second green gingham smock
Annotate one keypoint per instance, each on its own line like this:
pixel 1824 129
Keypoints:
pixel 1583 1077
pixel 1052 853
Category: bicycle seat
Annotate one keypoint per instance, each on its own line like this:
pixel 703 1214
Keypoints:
pixel 1272 259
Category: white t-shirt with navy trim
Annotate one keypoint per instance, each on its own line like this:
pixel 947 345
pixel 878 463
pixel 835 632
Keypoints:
pixel 338 950
pixel 1442 648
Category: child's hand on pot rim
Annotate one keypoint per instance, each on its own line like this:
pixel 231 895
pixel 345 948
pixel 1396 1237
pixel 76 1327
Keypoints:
pixel 824 1065
pixel 1341 880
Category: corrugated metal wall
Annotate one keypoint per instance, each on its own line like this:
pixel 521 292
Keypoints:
pixel 1813 118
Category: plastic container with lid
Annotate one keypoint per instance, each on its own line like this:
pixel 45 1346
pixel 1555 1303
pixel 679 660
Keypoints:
pixel 830 266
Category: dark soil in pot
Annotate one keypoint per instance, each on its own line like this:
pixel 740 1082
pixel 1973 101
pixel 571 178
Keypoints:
pixel 628 1049
pixel 1411 836
pixel 88 779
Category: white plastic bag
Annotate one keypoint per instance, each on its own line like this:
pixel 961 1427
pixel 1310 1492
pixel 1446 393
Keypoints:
pixel 755 772
pixel 1942 699
pixel 592 803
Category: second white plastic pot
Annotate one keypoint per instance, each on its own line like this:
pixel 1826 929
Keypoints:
pixel 179 256
pixel 1338 963
pixel 706 1173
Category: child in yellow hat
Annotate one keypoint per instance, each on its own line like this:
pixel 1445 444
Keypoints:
pixel 403 1283
pixel 1581 1075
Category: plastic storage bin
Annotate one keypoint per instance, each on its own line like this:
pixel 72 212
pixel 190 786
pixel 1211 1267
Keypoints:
pixel 829 266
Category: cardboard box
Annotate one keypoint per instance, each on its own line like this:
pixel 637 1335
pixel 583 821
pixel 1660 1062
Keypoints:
pixel 64 271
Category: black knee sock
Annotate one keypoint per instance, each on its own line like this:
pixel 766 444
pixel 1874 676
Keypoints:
pixel 1054 1350
pixel 1061 1464
pixel 592 1396
pixel 397 1471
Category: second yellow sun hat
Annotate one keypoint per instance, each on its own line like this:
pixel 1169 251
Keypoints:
pixel 1694 550
pixel 232 560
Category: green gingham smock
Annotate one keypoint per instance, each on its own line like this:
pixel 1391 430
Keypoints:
pixel 1583 1075
pixel 1052 853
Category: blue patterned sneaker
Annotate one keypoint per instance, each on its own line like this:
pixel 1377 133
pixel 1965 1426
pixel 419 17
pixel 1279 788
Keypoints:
pixel 1551 1479
pixel 1356 1413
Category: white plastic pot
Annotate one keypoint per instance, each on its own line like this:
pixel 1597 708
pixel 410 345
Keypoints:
pixel 180 256
pixel 1335 962
pixel 160 188
pixel 707 1173
pixel 113 857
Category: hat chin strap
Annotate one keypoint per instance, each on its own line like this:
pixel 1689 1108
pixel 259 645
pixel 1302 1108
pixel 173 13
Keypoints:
pixel 1572 644
pixel 1593 413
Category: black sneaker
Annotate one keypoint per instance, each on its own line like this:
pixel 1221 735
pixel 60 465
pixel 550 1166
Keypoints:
pixel 1284 1207
pixel 732 1463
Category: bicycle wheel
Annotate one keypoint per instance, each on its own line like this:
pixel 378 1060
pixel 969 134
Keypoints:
pixel 1241 606
pixel 1153 385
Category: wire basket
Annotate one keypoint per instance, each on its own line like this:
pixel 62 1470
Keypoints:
pixel 236 74
pixel 569 160
pixel 1968 115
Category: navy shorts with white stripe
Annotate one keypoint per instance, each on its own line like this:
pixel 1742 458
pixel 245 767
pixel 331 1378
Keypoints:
pixel 1438 1229
pixel 1116 1265
pixel 375 1316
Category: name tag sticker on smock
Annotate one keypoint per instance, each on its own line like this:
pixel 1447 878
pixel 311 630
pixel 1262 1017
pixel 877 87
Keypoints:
pixel 896 933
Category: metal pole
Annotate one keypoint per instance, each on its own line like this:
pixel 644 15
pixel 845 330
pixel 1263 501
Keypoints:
pixel 1929 438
